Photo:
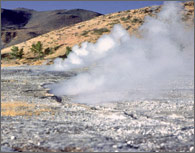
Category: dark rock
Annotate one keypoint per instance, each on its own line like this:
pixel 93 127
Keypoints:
pixel 26 23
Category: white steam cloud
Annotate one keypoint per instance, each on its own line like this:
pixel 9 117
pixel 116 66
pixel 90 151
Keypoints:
pixel 121 66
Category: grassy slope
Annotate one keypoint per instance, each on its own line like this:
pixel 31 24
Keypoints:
pixel 84 31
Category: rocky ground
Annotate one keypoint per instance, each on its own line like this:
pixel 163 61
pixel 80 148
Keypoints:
pixel 34 120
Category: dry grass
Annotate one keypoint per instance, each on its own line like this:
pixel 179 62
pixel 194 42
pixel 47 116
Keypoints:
pixel 19 108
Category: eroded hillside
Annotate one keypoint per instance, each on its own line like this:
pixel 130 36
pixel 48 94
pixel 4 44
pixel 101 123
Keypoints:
pixel 22 24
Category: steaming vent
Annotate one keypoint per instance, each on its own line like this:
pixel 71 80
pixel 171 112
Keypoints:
pixel 123 67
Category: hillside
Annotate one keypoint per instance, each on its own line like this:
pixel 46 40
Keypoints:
pixel 90 31
pixel 23 24
pixel 119 94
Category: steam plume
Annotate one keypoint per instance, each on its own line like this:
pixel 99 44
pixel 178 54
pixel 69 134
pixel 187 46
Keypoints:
pixel 123 67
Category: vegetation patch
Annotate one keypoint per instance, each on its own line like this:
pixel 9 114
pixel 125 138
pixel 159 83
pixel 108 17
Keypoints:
pixel 19 108
pixel 68 50
pixel 37 49
pixel 84 33
pixel 48 51
pixel 113 23
pixel 136 20
pixel 39 52
pixel 100 31
pixel 16 53
pixel 125 18
pixel 79 27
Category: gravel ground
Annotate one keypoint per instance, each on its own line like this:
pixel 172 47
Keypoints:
pixel 163 124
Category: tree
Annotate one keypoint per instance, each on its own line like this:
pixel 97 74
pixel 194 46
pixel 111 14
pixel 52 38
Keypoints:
pixel 48 51
pixel 37 49
pixel 16 52
pixel 68 50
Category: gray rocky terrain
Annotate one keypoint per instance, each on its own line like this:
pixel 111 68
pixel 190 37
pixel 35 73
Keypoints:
pixel 163 124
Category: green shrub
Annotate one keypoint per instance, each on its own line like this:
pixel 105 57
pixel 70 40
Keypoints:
pixel 37 49
pixel 135 20
pixel 84 33
pixel 113 23
pixel 16 52
pixel 100 31
pixel 125 18
pixel 48 51
pixel 79 27
pixel 68 50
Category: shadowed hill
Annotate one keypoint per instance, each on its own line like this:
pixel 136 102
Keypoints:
pixel 22 24
pixel 14 19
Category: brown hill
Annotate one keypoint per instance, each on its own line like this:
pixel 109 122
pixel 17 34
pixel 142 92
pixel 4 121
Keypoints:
pixel 90 31
pixel 23 24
